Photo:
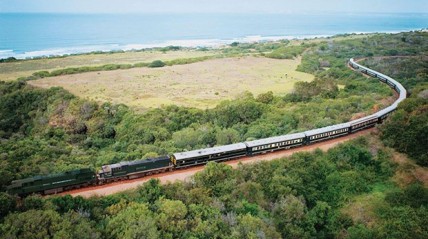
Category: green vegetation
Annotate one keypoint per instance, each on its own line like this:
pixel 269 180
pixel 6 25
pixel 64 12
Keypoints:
pixel 299 197
pixel 287 52
pixel 45 131
pixel 9 59
pixel 407 129
pixel 112 67
pixel 157 63
pixel 310 195
pixel 191 85
pixel 11 69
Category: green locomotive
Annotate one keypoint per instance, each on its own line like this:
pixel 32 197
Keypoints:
pixel 134 169
pixel 54 183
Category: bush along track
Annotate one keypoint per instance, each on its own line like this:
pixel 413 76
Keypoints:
pixel 128 170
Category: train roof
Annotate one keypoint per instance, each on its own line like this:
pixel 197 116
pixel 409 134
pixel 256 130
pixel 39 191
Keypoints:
pixel 327 129
pixel 41 177
pixel 386 110
pixel 275 139
pixel 401 89
pixel 209 151
pixel 136 162
pixel 372 116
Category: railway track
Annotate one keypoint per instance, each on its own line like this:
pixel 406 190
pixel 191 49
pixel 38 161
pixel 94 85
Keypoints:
pixel 185 174
pixel 193 161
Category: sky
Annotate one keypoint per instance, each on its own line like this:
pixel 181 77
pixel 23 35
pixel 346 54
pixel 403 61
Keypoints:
pixel 214 6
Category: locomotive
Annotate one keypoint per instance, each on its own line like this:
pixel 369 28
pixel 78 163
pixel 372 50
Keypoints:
pixel 56 183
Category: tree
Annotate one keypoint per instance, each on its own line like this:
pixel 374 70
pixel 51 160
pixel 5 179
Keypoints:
pixel 157 63
pixel 229 113
pixel 135 221
pixel 227 136
pixel 7 204
pixel 252 227
pixel 265 98
pixel 171 218
pixel 151 191
pixel 403 222
pixel 289 213
pixel 216 177
pixel 34 224
pixel 186 138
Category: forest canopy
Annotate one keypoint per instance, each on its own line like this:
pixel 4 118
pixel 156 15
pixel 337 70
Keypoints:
pixel 351 191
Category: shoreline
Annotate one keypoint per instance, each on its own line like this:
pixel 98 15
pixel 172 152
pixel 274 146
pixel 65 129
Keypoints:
pixel 191 44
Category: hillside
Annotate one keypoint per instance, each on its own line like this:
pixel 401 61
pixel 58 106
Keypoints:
pixel 201 84
pixel 360 189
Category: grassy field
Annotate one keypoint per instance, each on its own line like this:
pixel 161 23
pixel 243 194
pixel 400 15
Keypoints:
pixel 201 84
pixel 13 70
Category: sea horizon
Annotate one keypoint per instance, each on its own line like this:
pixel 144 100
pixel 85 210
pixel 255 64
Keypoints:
pixel 53 34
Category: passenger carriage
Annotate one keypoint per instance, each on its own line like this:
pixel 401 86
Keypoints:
pixel 332 131
pixel 363 123
pixel 202 156
pixel 274 143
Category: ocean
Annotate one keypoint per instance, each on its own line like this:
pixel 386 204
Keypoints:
pixel 24 35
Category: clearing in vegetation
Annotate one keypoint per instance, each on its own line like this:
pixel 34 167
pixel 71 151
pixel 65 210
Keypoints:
pixel 202 84
pixel 13 70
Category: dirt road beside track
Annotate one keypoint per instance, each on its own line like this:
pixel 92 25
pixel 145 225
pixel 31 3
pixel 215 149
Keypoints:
pixel 185 174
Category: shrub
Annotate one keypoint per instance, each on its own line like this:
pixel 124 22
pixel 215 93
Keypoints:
pixel 157 63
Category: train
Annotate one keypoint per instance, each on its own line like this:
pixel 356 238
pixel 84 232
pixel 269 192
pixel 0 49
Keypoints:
pixel 56 183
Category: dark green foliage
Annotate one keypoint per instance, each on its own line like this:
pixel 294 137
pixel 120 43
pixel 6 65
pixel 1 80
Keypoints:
pixel 170 48
pixel 47 224
pixel 157 63
pixel 305 91
pixel 7 204
pixel 299 197
pixel 234 44
pixel 407 129
pixel 9 59
pixel 151 191
pixel 338 52
pixel 414 195
pixel 412 72
pixel 287 52
pixel 403 222
pixel 45 131
pixel 266 97
pixel 229 113
pixel 111 67
pixel 408 132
